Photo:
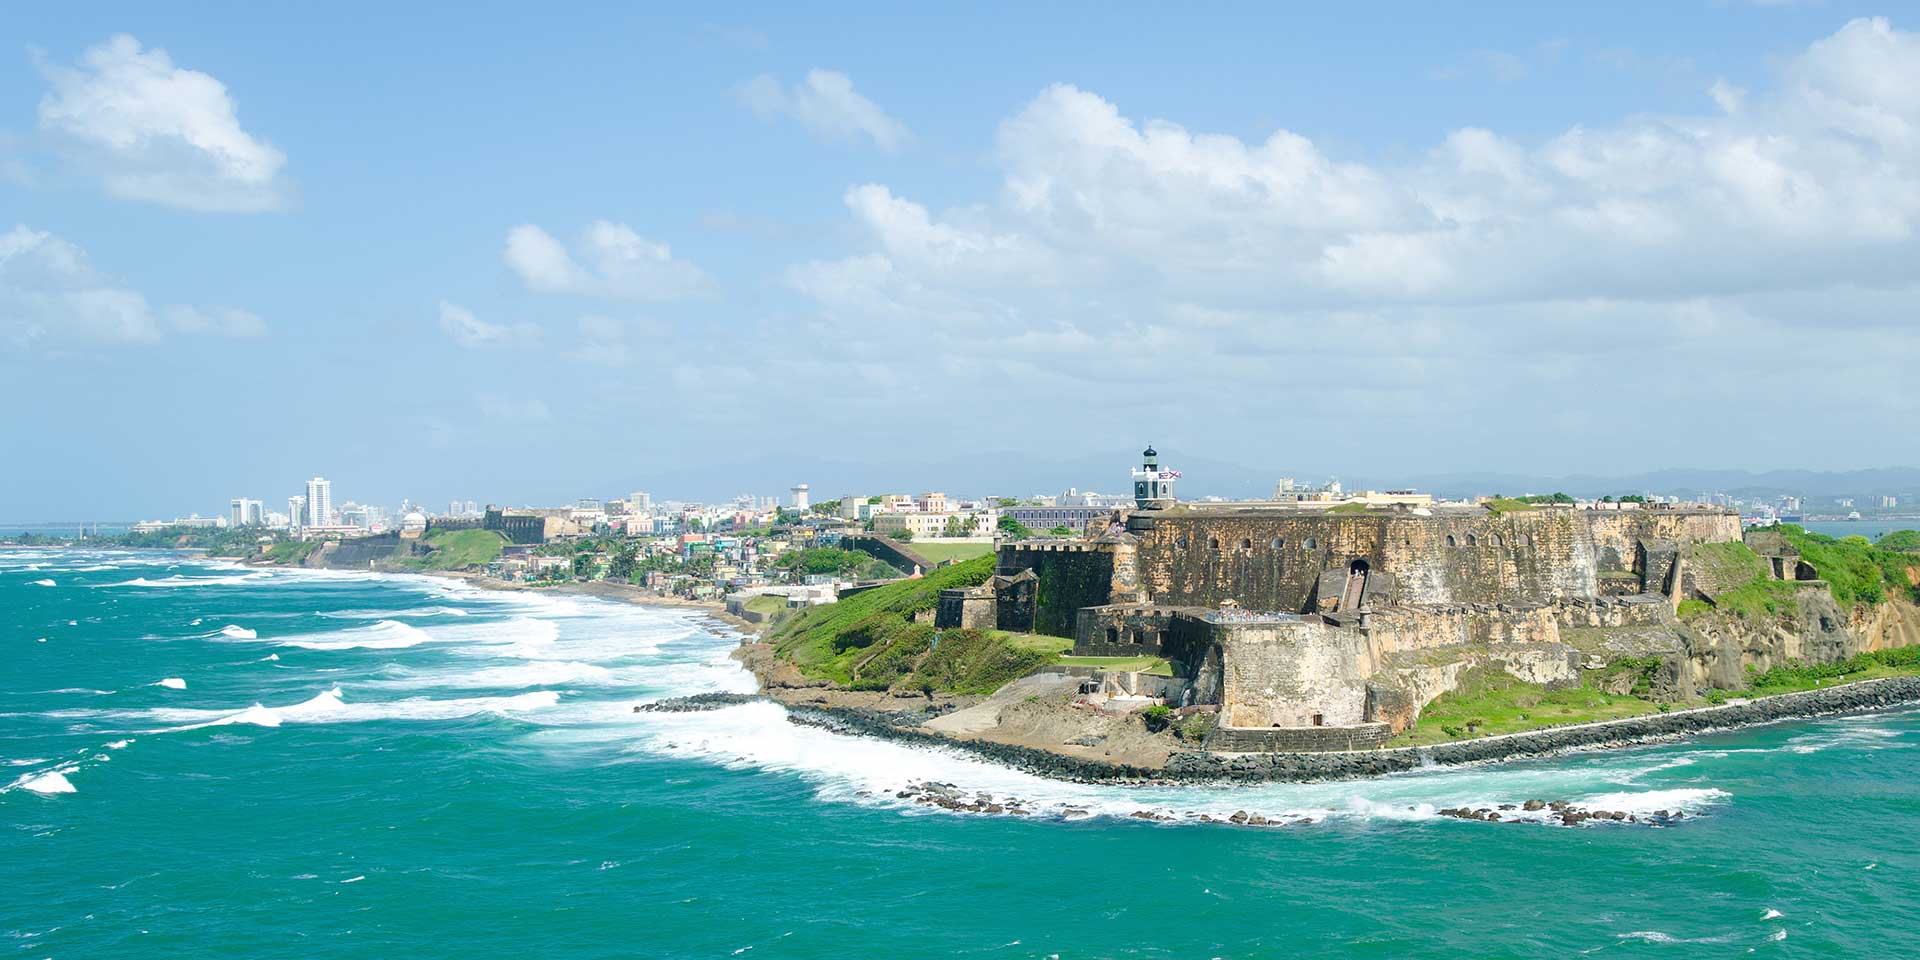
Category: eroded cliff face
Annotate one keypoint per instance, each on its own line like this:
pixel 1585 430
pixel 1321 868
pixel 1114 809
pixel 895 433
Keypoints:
pixel 1718 649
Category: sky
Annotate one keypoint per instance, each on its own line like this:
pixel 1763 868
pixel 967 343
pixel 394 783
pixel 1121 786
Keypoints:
pixel 497 253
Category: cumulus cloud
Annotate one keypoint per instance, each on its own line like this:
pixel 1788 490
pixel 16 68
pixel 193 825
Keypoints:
pixel 1708 251
pixel 50 294
pixel 609 261
pixel 828 106
pixel 473 333
pixel 157 132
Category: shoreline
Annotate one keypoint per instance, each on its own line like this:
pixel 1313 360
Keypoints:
pixel 1196 767
pixel 1201 767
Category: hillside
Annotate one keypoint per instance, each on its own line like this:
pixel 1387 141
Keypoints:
pixel 870 641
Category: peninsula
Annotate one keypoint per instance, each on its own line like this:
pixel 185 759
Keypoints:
pixel 1305 638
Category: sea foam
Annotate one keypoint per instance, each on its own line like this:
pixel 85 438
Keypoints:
pixel 44 583
pixel 384 635
pixel 237 632
pixel 172 683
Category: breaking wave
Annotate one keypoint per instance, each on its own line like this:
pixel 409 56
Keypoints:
pixel 236 632
pixel 331 707
pixel 179 581
pixel 384 635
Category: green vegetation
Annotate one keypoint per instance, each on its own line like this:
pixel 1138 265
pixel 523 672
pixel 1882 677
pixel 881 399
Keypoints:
pixel 903 535
pixel 1489 702
pixel 1348 508
pixel 1157 717
pixel 1756 596
pixel 458 550
pixel 1856 570
pixel 942 552
pixel 217 541
pixel 1063 531
pixel 1792 677
pixel 869 641
pixel 1505 505
pixel 1158 666
pixel 291 552
pixel 808 638
pixel 1015 529
pixel 823 561
pixel 766 604
pixel 1905 541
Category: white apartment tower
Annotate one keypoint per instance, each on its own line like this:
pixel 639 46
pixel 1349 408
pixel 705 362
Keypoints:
pixel 800 496
pixel 296 512
pixel 319 502
pixel 248 513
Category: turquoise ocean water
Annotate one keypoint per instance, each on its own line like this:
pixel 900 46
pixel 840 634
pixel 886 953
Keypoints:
pixel 202 760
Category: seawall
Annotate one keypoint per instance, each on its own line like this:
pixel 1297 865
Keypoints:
pixel 1282 767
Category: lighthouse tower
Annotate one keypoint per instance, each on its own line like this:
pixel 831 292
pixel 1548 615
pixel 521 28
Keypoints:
pixel 1152 486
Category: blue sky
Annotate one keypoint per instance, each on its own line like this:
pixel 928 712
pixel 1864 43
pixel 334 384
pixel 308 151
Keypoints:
pixel 510 255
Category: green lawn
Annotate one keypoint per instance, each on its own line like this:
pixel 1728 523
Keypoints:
pixel 942 552
pixel 1158 666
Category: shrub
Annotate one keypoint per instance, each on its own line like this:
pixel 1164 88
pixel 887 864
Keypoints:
pixel 1157 717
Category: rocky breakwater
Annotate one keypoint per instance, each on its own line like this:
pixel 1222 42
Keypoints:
pixel 1848 698
pixel 699 702
pixel 1559 812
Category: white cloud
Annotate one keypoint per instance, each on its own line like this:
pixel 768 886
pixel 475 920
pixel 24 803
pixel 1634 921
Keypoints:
pixel 1706 253
pixel 828 106
pixel 50 294
pixel 157 132
pixel 609 261
pixel 473 333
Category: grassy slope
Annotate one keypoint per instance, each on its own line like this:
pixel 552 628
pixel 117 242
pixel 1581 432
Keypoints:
pixel 766 603
pixel 942 552
pixel 291 552
pixel 458 550
pixel 868 640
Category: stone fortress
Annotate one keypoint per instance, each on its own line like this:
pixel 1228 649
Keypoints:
pixel 1315 626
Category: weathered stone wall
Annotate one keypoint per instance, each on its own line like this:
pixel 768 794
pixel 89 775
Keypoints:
pixel 1293 674
pixel 1072 574
pixel 1366 736
pixel 1272 558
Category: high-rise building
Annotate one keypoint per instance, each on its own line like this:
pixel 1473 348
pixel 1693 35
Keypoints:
pixel 640 502
pixel 319 502
pixel 800 496
pixel 296 512
pixel 473 509
pixel 248 513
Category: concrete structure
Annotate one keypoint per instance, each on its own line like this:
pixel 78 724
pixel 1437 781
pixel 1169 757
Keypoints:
pixel 247 512
pixel 801 499
pixel 296 513
pixel 1076 519
pixel 319 503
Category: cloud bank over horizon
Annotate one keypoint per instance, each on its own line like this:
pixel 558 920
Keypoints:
pixel 1700 281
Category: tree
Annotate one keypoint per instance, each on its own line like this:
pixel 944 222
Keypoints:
pixel 903 535
pixel 1060 531
pixel 583 564
pixel 1015 529
pixel 953 528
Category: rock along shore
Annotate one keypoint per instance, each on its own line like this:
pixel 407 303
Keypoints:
pixel 1214 767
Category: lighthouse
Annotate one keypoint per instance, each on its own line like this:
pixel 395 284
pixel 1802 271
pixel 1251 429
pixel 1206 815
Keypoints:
pixel 1152 486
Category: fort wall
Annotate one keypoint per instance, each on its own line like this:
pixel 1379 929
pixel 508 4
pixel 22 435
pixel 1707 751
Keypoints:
pixel 1273 559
